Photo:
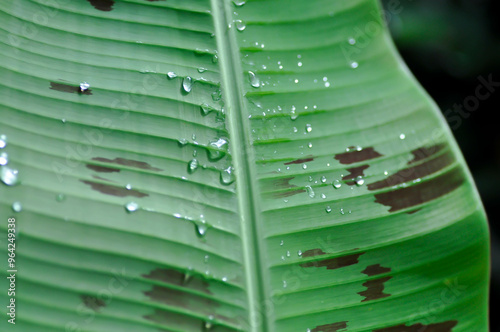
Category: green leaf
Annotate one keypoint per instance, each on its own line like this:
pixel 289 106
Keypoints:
pixel 228 166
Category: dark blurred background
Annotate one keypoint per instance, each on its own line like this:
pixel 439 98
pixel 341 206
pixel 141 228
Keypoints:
pixel 448 45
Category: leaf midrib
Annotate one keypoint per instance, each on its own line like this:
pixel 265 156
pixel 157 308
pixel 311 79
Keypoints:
pixel 232 84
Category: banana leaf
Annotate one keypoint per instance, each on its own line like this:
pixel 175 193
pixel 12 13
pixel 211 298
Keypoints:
pixel 268 165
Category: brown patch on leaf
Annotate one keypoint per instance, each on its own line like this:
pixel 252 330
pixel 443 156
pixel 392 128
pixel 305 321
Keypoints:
pixel 356 156
pixel 113 190
pixel 376 269
pixel 69 88
pixel 313 252
pixel 284 183
pixel 375 289
pixel 334 263
pixel 179 298
pixel 422 192
pixel 92 302
pixel 175 277
pixel 301 161
pixel 335 327
pixel 438 327
pixel 128 162
pixel 425 152
pixel 104 5
pixel 415 172
pixel 354 173
pixel 102 169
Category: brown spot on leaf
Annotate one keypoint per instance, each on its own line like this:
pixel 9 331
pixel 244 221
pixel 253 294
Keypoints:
pixel 301 161
pixel 284 183
pixel 376 269
pixel 438 327
pixel 289 193
pixel 375 289
pixel 104 5
pixel 180 298
pixel 102 169
pixel 313 252
pixel 113 190
pixel 425 152
pixel 422 192
pixel 128 162
pixel 335 327
pixel 69 88
pixel 415 172
pixel 334 263
pixel 354 173
pixel 356 156
pixel 175 277
pixel 92 302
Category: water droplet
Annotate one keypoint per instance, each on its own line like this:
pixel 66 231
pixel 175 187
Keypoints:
pixel 299 253
pixel 325 79
pixel 296 80
pixel 354 64
pixel 299 64
pixel 336 184
pixel 310 191
pixel 3 141
pixel 205 109
pixel 240 26
pixel 254 81
pixel 227 176
pixel 327 84
pixel 323 196
pixel 209 324
pixel 328 209
pixel 183 141
pixel 224 279
pixel 284 283
pixel 193 166
pixel 360 181
pixel 342 211
pixel 310 145
pixel 60 197
pixel 4 159
pixel 352 41
pixel 323 179
pixel 63 120
pixel 171 75
pixel 282 243
pixel 84 86
pixel 239 3
pixel 131 207
pixel 215 58
pixel 386 173
pixel 287 253
pixel 217 95
pixel 201 227
pixel 207 257
pixel 218 149
pixel 17 207
pixel 187 278
pixel 187 84
pixel 201 70
pixel 402 136
pixel 308 128
pixel 9 176
pixel 304 166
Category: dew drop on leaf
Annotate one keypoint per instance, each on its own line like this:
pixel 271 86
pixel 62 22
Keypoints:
pixel 219 149
pixel 171 75
pixel 201 70
pixel 239 3
pixel 354 64
pixel 240 26
pixel 131 207
pixel 308 128
pixel 4 159
pixel 360 181
pixel 187 84
pixel 3 141
pixel 227 176
pixel 193 166
pixel 9 176
pixel 17 207
pixel 323 179
pixel 60 197
pixel 336 184
pixel 84 86
pixel 310 191
pixel 328 209
pixel 254 80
